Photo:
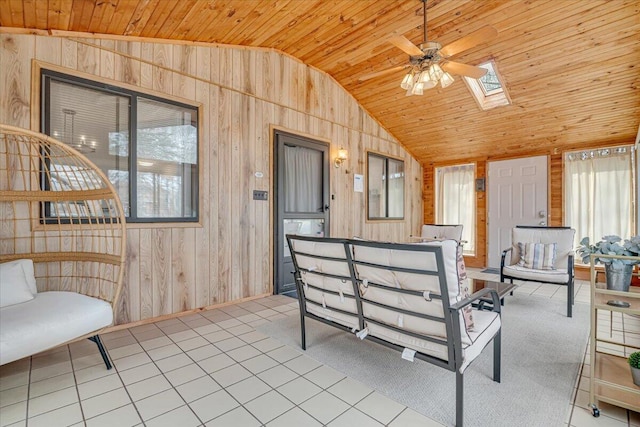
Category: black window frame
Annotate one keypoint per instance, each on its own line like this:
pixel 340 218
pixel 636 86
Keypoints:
pixel 47 75
pixel 386 160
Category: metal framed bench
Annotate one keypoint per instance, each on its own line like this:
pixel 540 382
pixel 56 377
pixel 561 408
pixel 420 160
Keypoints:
pixel 403 296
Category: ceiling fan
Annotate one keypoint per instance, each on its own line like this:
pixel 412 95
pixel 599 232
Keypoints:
pixel 429 63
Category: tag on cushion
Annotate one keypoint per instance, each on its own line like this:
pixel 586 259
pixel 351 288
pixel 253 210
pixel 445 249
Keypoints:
pixel 537 256
pixel 408 354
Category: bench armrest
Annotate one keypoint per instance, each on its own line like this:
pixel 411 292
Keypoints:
pixel 476 296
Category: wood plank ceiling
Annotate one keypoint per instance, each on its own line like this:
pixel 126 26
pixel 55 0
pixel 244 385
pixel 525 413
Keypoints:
pixel 570 66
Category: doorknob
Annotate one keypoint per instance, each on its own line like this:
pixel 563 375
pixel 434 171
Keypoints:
pixel 326 207
pixel 542 214
pixel 543 223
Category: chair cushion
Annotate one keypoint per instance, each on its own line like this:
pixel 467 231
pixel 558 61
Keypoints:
pixel 539 256
pixel 48 320
pixel 560 276
pixel 14 284
pixel 487 325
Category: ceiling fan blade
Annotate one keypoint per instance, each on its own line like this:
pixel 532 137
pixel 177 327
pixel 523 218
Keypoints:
pixel 480 36
pixel 403 43
pixel 382 73
pixel 464 69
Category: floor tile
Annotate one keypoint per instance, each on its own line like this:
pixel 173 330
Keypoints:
pixel 350 390
pixel 183 335
pixel 117 343
pixel 13 395
pixel 13 413
pixel 243 353
pixel 194 390
pixel 99 386
pixel 14 380
pixel 215 363
pixel 231 375
pixel 410 418
pixel 127 350
pixel 192 343
pixel 324 407
pixel 164 352
pixel 267 344
pixel 207 329
pixel 252 337
pixel 214 337
pixel 240 329
pixel 62 417
pixel 185 374
pixel 92 373
pixel 230 344
pixel 139 373
pixel 50 357
pixel 132 361
pixel 294 417
pixel 51 401
pixel 148 387
pixel 353 417
pixel 380 407
pixel 46 372
pixel 259 363
pixel 183 417
pixel 324 376
pixel 149 335
pixel 125 416
pixel 105 402
pixel 213 405
pixel 284 354
pixel 88 361
pixel 158 404
pixel 204 352
pixel 174 362
pixel 299 390
pixel 226 324
pixel 277 376
pixel 302 364
pixel 156 342
pixel 268 406
pixel 239 417
pixel 248 389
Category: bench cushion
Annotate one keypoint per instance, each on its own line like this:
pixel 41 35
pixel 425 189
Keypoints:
pixel 524 273
pixel 48 320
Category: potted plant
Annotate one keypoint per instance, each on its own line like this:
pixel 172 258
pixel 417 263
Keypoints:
pixel 617 271
pixel 634 363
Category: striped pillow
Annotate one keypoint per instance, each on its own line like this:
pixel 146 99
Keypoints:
pixel 538 256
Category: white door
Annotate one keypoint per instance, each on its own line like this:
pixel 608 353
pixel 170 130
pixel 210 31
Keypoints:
pixel 517 192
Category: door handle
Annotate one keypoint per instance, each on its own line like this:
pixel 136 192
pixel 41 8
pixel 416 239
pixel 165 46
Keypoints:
pixel 326 207
pixel 542 223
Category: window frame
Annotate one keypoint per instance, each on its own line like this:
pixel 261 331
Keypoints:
pixel 386 159
pixel 45 77
pixel 491 99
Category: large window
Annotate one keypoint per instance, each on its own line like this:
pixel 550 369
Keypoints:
pixel 385 186
pixel 147 146
pixel 456 201
pixel 599 192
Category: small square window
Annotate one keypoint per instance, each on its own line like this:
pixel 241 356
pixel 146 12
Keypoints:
pixel 489 91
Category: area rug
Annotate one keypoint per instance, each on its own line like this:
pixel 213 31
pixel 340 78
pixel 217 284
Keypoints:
pixel 542 352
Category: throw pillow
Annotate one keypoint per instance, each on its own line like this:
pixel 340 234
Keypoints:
pixel 537 256
pixel 463 287
pixel 14 285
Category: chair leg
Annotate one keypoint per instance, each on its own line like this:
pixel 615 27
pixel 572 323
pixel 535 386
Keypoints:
pixel 497 356
pixel 302 331
pixel 570 299
pixel 103 352
pixel 459 398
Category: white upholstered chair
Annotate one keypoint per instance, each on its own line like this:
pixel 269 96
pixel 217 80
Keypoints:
pixel 441 232
pixel 541 254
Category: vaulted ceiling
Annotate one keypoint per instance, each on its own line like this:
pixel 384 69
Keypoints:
pixel 571 66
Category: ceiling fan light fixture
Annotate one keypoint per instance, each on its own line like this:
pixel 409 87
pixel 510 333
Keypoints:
pixel 446 80
pixel 407 82
pixel 435 72
pixel 417 89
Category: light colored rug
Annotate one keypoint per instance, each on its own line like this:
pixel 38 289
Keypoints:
pixel 542 352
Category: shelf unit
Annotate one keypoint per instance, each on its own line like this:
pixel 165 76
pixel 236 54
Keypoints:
pixel 611 380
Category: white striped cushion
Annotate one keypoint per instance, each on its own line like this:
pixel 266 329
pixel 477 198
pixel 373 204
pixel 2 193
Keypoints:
pixel 537 256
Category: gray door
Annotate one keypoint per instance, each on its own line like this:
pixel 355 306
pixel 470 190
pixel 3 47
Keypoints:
pixel 301 198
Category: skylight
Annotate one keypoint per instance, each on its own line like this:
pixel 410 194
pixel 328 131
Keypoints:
pixel 489 91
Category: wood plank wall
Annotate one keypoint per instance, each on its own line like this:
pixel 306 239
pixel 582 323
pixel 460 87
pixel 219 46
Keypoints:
pixel 244 93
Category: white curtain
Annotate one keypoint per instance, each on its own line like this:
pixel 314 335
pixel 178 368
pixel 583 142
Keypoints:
pixel 395 174
pixel 303 179
pixel 456 201
pixel 598 197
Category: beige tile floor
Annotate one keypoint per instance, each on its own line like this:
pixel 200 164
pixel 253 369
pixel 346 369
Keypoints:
pixel 214 369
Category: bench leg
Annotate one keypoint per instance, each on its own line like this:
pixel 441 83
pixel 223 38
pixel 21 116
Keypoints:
pixel 459 398
pixel 497 357
pixel 103 352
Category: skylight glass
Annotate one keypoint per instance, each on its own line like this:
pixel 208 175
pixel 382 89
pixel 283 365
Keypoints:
pixel 489 83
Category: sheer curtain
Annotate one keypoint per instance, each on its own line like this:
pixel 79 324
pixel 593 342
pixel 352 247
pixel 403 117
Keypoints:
pixel 395 174
pixel 302 175
pixel 456 200
pixel 599 188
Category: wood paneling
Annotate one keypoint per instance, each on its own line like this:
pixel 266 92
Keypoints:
pixel 571 66
pixel 227 256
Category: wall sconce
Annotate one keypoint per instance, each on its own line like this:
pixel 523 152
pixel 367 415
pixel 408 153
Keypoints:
pixel 341 157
